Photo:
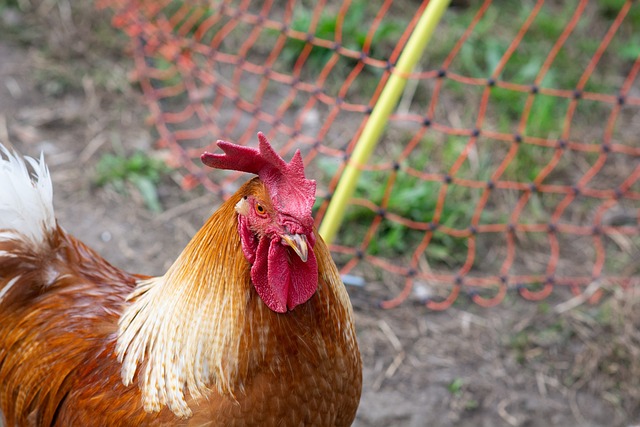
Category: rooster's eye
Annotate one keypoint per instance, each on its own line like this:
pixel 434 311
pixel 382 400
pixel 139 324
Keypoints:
pixel 260 209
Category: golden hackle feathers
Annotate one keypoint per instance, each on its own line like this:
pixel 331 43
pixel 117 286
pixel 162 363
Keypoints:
pixel 201 326
pixel 181 330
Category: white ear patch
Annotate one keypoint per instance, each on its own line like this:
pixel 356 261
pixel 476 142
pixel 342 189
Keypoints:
pixel 26 198
pixel 242 207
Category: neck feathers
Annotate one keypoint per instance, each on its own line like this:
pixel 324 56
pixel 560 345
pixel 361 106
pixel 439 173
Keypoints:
pixel 186 324
pixel 202 327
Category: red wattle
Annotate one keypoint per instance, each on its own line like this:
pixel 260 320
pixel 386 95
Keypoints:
pixel 281 279
pixel 274 297
pixel 303 278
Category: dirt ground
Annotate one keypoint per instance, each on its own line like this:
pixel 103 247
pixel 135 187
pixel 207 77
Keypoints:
pixel 519 364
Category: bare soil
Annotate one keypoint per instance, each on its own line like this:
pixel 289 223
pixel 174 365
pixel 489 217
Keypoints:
pixel 518 364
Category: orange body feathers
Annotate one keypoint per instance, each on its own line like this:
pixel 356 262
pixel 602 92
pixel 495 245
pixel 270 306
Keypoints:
pixel 83 343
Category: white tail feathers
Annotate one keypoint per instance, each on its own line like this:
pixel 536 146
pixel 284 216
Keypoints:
pixel 26 198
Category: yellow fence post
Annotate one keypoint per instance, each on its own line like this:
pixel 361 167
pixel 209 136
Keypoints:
pixel 380 116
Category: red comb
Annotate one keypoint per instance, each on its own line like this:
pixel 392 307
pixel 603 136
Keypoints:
pixel 285 182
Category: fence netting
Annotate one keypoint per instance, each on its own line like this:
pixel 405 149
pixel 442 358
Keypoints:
pixel 511 162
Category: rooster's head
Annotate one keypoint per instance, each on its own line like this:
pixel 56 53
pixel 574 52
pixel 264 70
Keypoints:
pixel 275 224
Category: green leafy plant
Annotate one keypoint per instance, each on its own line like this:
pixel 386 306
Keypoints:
pixel 139 170
pixel 415 200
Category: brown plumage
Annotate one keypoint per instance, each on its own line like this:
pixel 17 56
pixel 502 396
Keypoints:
pixel 84 343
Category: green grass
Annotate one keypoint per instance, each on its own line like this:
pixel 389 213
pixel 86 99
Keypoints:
pixel 458 390
pixel 481 53
pixel 413 199
pixel 353 34
pixel 548 335
pixel 416 200
pixel 610 8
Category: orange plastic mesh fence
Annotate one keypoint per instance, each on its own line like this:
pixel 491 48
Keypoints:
pixel 510 164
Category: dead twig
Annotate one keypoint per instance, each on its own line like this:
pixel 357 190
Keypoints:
pixel 579 299
pixel 573 405
pixel 391 336
pixel 502 411
pixel 395 364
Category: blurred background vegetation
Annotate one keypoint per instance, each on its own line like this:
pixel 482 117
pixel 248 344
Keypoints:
pixel 74 50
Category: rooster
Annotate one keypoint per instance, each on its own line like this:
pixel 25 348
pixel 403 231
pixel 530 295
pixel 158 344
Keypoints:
pixel 251 325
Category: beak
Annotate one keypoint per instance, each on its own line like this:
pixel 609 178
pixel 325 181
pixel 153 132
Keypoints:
pixel 298 243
